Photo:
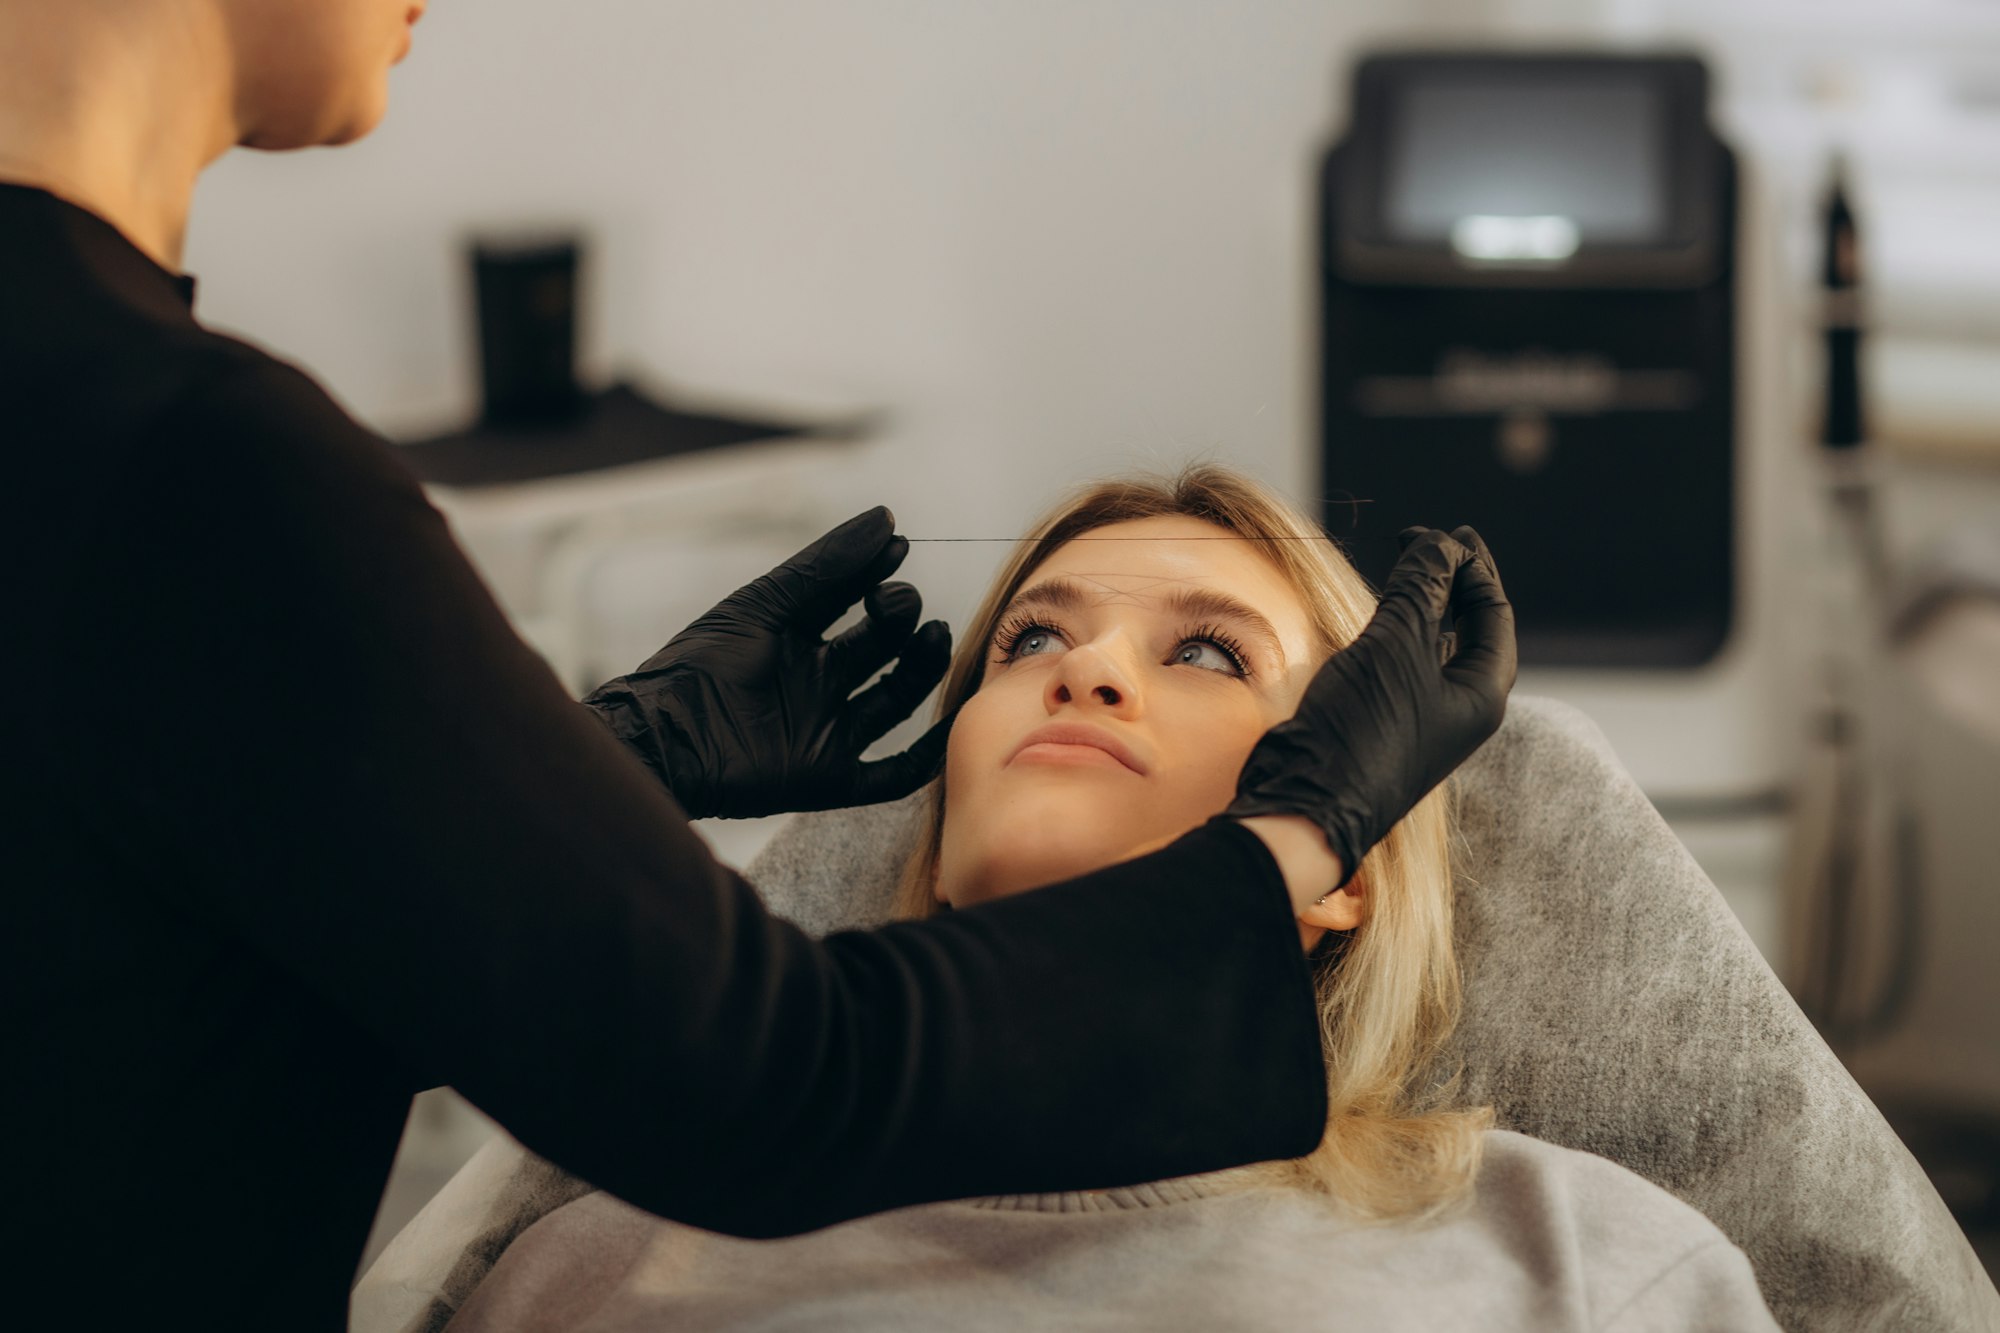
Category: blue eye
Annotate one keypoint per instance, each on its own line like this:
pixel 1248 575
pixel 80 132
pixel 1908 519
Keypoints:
pixel 1026 638
pixel 1208 656
pixel 1212 649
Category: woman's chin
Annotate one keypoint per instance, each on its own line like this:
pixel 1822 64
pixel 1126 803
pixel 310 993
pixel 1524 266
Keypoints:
pixel 1024 826
pixel 1038 857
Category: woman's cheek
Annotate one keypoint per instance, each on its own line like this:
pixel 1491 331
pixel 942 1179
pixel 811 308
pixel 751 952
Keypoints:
pixel 968 739
pixel 1228 748
pixel 977 747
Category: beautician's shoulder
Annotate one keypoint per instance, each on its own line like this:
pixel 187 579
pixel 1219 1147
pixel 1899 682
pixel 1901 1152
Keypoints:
pixel 244 414
pixel 1648 1259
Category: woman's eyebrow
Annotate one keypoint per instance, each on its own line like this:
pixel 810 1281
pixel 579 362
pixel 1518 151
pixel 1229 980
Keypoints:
pixel 1192 603
pixel 1210 604
pixel 1052 595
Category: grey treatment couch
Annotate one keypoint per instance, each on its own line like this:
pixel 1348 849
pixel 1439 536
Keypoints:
pixel 1613 1004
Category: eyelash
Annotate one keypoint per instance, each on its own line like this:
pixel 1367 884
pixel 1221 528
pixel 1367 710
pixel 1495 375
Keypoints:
pixel 1007 639
pixel 1231 646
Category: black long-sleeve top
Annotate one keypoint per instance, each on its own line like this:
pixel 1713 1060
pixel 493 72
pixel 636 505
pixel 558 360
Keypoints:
pixel 299 827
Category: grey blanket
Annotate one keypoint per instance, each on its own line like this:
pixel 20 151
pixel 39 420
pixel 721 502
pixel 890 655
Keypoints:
pixel 1613 1004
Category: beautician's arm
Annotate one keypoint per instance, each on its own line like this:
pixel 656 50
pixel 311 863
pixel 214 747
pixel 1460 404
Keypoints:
pixel 420 827
pixel 752 710
pixel 1306 864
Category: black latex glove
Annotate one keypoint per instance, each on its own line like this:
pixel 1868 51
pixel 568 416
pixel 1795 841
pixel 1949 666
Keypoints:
pixel 747 711
pixel 1393 713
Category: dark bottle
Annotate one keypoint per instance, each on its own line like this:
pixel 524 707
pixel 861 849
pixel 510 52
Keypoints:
pixel 527 293
pixel 1840 276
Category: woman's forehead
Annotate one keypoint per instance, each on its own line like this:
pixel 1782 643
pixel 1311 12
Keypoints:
pixel 1153 563
pixel 1174 547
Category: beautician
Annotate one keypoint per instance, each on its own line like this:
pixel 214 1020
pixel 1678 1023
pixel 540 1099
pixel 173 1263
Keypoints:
pixel 300 827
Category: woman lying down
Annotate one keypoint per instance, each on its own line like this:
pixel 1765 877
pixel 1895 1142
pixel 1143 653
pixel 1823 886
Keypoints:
pixel 1115 680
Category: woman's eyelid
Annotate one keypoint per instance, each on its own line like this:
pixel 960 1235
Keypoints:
pixel 1013 631
pixel 1223 641
pixel 1010 633
pixel 1239 662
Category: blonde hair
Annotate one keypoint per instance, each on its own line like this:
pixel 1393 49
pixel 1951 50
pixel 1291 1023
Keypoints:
pixel 1388 994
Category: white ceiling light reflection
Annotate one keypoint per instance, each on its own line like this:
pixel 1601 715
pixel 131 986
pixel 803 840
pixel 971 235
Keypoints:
pixel 1492 238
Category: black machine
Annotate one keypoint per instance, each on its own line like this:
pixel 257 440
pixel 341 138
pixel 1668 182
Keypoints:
pixel 1528 281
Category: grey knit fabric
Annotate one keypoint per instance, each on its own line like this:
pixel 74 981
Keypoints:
pixel 1551 1241
pixel 1613 1004
pixel 837 870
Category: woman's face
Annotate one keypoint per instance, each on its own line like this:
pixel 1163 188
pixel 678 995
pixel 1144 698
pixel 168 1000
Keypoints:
pixel 316 72
pixel 1124 688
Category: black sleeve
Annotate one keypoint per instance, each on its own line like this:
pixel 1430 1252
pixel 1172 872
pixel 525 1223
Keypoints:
pixel 391 798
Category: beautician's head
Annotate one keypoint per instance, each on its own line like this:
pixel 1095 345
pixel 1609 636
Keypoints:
pixel 313 72
pixel 1122 621
pixel 119 105
pixel 174 77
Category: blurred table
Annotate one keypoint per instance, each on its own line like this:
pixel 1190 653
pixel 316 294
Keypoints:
pixel 542 530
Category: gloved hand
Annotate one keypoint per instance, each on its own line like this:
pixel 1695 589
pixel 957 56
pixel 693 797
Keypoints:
pixel 1393 713
pixel 746 712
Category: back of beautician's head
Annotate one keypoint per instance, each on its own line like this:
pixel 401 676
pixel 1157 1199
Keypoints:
pixel 310 73
pixel 269 74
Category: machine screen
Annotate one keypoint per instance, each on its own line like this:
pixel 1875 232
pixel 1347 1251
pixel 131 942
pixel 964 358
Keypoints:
pixel 1504 169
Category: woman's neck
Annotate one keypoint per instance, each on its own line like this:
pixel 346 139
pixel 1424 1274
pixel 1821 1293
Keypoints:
pixel 118 117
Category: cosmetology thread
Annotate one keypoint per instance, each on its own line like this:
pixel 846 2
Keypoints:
pixel 1322 537
pixel 1066 540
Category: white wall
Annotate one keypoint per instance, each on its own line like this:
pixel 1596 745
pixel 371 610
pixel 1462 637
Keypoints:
pixel 1054 237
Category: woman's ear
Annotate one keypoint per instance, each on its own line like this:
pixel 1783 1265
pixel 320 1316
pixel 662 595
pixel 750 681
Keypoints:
pixel 1343 909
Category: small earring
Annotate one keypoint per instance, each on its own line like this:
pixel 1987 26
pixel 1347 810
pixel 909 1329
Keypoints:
pixel 1321 900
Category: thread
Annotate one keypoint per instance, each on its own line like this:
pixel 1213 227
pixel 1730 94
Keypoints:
pixel 1323 537
pixel 1066 540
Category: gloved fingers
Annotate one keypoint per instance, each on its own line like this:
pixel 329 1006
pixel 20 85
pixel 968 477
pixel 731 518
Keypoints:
pixel 889 700
pixel 858 652
pixel 814 588
pixel 1486 657
pixel 1465 536
pixel 1420 583
pixel 897 776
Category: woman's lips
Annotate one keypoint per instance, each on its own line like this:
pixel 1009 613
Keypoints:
pixel 1075 743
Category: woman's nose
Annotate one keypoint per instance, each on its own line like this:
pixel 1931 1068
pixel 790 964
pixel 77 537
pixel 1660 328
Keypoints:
pixel 1091 677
